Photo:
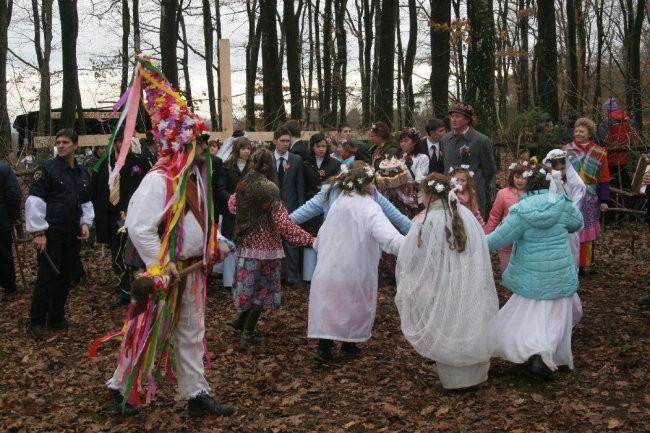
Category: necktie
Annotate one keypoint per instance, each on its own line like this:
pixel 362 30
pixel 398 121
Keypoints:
pixel 114 192
pixel 281 170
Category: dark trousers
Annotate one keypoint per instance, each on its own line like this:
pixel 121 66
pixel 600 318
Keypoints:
pixel 292 263
pixel 7 270
pixel 121 280
pixel 51 291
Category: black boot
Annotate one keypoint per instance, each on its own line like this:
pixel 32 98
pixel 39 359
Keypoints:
pixel 129 409
pixel 238 323
pixel 203 404
pixel 539 369
pixel 248 335
pixel 324 351
pixel 350 348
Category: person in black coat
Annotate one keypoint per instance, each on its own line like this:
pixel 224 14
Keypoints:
pixel 233 170
pixel 109 216
pixel 10 197
pixel 298 145
pixel 318 167
pixel 430 145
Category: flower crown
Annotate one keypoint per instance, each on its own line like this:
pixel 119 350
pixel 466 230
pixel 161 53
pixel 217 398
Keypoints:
pixel 461 167
pixel 410 131
pixel 437 186
pixel 514 165
pixel 366 177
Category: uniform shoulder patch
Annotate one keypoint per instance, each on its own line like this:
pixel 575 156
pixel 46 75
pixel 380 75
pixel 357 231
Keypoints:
pixel 38 174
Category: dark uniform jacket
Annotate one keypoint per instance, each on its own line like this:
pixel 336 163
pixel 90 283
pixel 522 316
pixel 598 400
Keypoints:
pixel 64 189
pixel 9 197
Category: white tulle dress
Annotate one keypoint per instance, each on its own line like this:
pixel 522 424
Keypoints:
pixel 446 298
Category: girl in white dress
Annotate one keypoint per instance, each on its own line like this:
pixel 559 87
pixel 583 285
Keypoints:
pixel 445 288
pixel 343 294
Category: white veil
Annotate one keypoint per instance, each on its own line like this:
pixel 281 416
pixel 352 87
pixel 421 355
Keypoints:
pixel 445 298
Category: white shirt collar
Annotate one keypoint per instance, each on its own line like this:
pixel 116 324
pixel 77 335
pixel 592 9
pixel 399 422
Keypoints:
pixel 278 156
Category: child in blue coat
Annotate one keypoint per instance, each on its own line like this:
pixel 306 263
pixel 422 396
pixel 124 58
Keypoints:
pixel 535 325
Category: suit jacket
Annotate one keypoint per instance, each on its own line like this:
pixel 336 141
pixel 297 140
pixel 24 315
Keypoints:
pixel 219 206
pixel 435 164
pixel 480 159
pixel 292 188
pixel 301 148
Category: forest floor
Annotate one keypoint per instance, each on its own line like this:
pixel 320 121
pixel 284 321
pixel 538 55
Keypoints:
pixel 52 385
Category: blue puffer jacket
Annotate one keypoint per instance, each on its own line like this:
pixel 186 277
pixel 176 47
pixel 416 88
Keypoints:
pixel 318 206
pixel 541 266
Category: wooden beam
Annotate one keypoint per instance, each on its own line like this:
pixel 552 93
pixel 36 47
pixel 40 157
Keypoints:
pixel 225 73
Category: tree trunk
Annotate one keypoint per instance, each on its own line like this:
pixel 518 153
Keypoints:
pixel 400 61
pixel 126 31
pixel 136 26
pixel 209 62
pixel 218 111
pixel 572 52
pixel 274 111
pixel 386 63
pixel 600 42
pixel 43 22
pixel 461 86
pixel 319 62
pixel 252 56
pixel 440 56
pixel 312 54
pixel 6 7
pixel 70 90
pixel 168 38
pixel 523 96
pixel 186 61
pixel 366 83
pixel 480 63
pixel 293 46
pixel 326 102
pixel 341 59
pixel 632 47
pixel 409 61
pixel 546 59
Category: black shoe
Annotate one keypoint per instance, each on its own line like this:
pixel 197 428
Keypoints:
pixel 324 351
pixel 644 300
pixel 129 409
pixel 539 369
pixel 59 324
pixel 37 332
pixel 203 404
pixel 238 323
pixel 121 300
pixel 350 348
pixel 248 336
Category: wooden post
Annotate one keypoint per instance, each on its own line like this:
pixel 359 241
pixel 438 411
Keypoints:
pixel 225 83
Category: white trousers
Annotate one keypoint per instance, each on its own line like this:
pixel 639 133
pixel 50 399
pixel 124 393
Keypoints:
pixel 187 341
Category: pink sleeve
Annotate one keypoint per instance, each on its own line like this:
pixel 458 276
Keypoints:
pixel 477 212
pixel 496 214
pixel 290 231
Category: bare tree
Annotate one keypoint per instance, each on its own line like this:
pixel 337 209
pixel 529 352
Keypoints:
pixel 293 46
pixel 439 25
pixel 274 111
pixel 633 25
pixel 43 23
pixel 409 62
pixel 169 21
pixel 209 61
pixel 71 97
pixel 546 59
pixel 386 62
pixel 6 7
pixel 252 56
pixel 126 30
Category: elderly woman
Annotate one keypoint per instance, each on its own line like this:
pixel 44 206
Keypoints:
pixel 590 161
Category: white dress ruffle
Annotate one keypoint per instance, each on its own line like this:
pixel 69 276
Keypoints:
pixel 525 327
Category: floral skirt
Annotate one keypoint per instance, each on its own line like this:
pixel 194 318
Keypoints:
pixel 257 282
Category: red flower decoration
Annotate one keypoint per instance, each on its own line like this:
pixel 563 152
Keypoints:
pixel 321 173
pixel 266 205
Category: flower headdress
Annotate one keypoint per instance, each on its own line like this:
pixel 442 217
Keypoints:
pixel 355 179
pixel 461 168
pixel 177 129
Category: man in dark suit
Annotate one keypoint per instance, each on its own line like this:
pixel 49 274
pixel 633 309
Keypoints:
pixel 430 145
pixel 298 146
pixel 109 211
pixel 345 131
pixel 289 169
pixel 464 145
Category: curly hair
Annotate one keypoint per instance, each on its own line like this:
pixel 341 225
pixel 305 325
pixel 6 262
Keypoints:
pixel 262 161
pixel 586 122
pixel 437 186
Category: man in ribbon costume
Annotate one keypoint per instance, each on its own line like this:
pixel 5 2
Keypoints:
pixel 170 220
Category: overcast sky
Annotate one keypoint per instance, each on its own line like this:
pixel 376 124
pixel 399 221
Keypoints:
pixel 100 40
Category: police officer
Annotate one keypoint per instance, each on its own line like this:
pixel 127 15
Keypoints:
pixel 58 212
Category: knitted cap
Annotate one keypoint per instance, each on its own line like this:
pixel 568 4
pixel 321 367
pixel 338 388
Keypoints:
pixel 610 105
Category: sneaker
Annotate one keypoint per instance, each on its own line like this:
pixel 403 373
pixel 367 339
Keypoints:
pixel 60 324
pixel 203 404
pixel 129 409
pixel 37 332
